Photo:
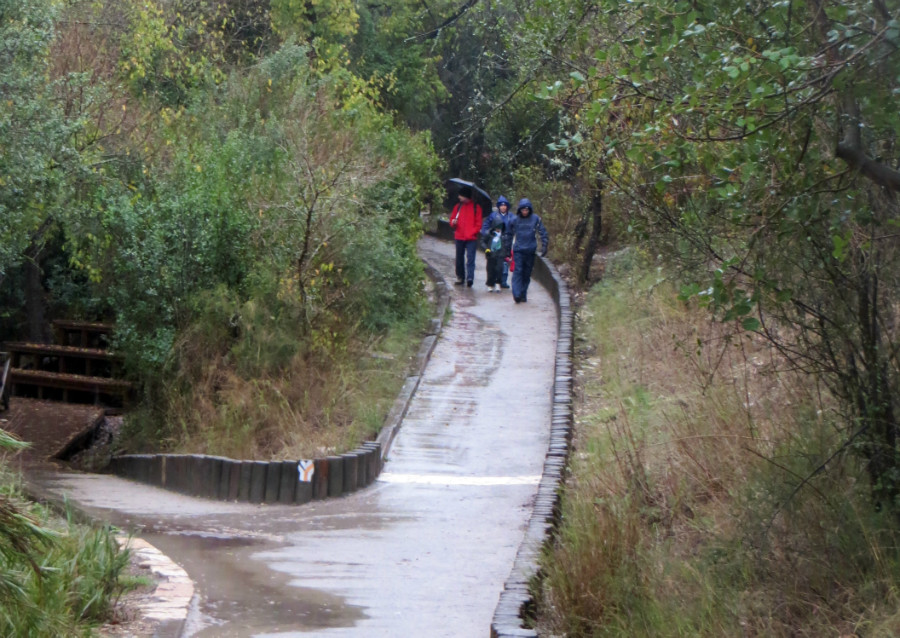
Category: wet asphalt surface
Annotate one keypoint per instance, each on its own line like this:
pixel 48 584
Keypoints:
pixel 426 549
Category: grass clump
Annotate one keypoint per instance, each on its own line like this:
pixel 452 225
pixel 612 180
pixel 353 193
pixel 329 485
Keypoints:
pixel 57 578
pixel 708 495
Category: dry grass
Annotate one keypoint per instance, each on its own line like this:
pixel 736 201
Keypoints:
pixel 264 392
pixel 684 513
pixel 311 408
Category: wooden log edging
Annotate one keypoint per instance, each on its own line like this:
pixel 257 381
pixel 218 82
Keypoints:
pixel 516 602
pixel 220 478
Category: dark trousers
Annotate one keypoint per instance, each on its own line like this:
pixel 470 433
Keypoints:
pixel 465 259
pixel 494 268
pixel 522 274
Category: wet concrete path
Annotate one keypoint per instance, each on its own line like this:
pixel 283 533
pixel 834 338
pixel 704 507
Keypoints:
pixel 422 552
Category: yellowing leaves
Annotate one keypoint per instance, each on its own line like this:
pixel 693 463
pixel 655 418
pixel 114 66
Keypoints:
pixel 288 287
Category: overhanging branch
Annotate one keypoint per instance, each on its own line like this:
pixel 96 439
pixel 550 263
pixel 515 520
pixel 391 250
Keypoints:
pixel 850 150
pixel 875 171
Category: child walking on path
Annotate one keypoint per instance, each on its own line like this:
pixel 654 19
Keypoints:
pixel 494 253
pixel 497 242
pixel 465 218
pixel 525 228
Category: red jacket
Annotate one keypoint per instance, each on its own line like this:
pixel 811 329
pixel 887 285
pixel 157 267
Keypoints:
pixel 468 220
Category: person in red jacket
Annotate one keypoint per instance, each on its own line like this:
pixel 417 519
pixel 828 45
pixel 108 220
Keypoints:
pixel 465 218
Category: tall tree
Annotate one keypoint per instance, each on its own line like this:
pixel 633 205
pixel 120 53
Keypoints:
pixel 36 161
pixel 394 51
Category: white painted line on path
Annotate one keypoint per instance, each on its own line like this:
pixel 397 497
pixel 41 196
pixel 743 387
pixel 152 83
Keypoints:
pixel 452 479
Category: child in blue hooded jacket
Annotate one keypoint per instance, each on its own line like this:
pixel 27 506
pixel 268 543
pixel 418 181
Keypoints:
pixel 496 227
pixel 525 228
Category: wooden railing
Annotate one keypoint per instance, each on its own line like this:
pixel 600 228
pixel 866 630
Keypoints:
pixel 79 368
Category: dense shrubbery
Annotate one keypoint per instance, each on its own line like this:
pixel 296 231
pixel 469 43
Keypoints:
pixel 753 149
pixel 239 206
pixel 278 187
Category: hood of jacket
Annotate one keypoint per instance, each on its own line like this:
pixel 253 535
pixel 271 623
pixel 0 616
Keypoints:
pixel 503 200
pixel 524 203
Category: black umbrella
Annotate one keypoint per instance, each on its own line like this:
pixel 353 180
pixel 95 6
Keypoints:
pixel 456 185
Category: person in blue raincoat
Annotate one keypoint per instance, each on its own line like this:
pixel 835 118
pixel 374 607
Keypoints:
pixel 525 228
pixel 497 268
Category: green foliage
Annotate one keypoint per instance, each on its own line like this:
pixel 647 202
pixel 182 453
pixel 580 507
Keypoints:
pixel 56 578
pixel 519 138
pixel 34 156
pixel 757 148
pixel 174 48
pixel 273 185
pixel 403 67
pixel 284 216
pixel 327 25
pixel 280 187
pixel 72 589
pixel 342 218
pixel 152 247
pixel 245 382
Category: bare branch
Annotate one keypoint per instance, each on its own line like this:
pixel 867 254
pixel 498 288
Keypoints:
pixel 430 35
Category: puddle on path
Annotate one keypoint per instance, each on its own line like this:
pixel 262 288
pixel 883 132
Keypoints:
pixel 240 597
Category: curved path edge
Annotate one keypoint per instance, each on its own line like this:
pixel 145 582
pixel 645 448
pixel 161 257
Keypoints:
pixel 163 612
pixel 166 609
pixel 515 601
pixel 395 417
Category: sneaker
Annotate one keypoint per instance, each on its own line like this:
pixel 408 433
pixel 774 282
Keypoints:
pixel 504 286
pixel 459 282
pixel 496 288
pixel 469 283
pixel 517 299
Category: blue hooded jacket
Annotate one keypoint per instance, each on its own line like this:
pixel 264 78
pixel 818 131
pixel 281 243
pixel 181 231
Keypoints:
pixel 526 229
pixel 496 219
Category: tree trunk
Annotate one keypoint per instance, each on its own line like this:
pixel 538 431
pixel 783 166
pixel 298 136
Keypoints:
pixel 36 328
pixel 596 229
pixel 579 232
pixel 876 400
